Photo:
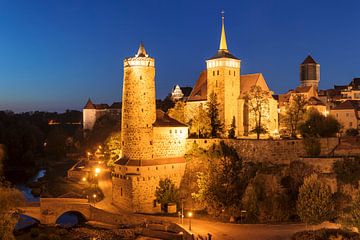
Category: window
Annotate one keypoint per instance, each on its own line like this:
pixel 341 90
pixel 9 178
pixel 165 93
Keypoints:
pixel 121 192
pixel 213 73
pixel 140 77
pixel 350 124
pixel 217 72
pixel 154 203
pixel 229 72
pixel 150 142
pixel 180 131
pixel 347 114
pixel 234 73
pixel 170 131
pixel 137 169
pixel 216 83
pixel 175 130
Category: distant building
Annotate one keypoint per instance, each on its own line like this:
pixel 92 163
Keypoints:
pixel 180 93
pixel 223 78
pixel 348 114
pixel 92 112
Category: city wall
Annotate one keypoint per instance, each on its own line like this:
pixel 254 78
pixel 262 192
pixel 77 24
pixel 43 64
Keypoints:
pixel 276 151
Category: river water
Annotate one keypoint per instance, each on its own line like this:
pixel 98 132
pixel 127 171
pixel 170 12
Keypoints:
pixel 67 220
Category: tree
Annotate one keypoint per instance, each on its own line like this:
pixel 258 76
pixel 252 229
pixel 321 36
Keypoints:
pixel 166 193
pixel 56 143
pixel 178 112
pixel 200 124
pixel 352 132
pixel 257 100
pixel 113 148
pixel 220 184
pixel 232 129
pixel 314 204
pixel 213 113
pixel 348 170
pixel 294 113
pixel 318 125
pixel 312 146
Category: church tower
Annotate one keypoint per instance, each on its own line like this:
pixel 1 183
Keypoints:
pixel 138 106
pixel 223 79
pixel 310 73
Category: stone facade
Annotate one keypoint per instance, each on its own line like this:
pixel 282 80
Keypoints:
pixel 276 151
pixel 153 144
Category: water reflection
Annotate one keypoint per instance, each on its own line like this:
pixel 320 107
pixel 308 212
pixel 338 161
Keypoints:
pixel 25 222
pixel 26 190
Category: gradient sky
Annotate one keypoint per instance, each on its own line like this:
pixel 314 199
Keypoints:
pixel 56 54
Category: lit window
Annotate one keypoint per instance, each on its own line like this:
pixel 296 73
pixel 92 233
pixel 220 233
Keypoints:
pixel 170 131
pixel 175 130
pixel 180 131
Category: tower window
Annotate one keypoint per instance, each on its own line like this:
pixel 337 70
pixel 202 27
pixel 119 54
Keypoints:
pixel 175 130
pixel 140 77
pixel 170 131
pixel 123 143
pixel 213 73
pixel 229 72
pixel 150 142
pixel 217 72
pixel 234 73
pixel 137 169
pixel 121 192
pixel 216 83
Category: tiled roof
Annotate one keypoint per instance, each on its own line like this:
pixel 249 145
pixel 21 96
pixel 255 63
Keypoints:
pixel 309 60
pixel 89 105
pixel 199 92
pixel 101 106
pixel 116 105
pixel 249 80
pixel 348 104
pixel 163 120
pixel 314 101
pixel 223 54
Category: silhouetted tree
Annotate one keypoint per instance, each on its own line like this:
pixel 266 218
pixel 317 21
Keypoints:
pixel 213 113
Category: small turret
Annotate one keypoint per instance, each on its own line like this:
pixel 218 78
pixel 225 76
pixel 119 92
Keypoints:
pixel 310 73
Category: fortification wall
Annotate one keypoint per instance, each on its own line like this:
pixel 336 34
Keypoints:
pixel 169 142
pixel 138 184
pixel 276 151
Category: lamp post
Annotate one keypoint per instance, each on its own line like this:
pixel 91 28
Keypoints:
pixel 94 196
pixel 190 215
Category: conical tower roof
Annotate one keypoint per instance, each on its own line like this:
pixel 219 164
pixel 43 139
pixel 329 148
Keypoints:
pixel 309 60
pixel 223 51
pixel 89 105
pixel 141 52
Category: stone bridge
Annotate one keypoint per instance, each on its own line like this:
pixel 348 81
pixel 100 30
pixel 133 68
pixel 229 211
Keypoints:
pixel 49 210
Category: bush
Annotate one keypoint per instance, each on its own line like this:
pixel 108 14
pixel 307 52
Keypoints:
pixel 322 234
pixel 317 125
pixel 348 170
pixel 312 146
pixel 352 132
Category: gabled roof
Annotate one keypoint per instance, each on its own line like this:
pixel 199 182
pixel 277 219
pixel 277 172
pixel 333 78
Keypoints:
pixel 199 92
pixel 116 105
pixel 249 80
pixel 348 104
pixel 309 60
pixel 89 105
pixel 163 120
pixel 314 101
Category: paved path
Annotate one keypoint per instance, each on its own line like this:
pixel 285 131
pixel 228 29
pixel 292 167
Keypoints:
pixel 228 231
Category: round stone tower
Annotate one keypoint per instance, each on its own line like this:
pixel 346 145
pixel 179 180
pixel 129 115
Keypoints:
pixel 138 106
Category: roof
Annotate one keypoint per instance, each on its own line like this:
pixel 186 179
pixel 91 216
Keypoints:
pixel 141 51
pixel 199 92
pixel 303 89
pixel 127 162
pixel 348 104
pixel 309 60
pixel 89 105
pixel 223 54
pixel 186 91
pixel 116 105
pixel 163 120
pixel 314 101
pixel 101 106
pixel 249 80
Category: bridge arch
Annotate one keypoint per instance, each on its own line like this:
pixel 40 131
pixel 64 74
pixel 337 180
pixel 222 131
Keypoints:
pixel 71 217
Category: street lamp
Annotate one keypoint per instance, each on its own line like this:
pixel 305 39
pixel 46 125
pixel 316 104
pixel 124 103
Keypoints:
pixel 84 179
pixel 190 215
pixel 97 170
pixel 94 196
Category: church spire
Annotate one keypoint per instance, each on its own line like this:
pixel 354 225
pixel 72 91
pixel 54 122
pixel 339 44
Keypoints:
pixel 141 52
pixel 223 45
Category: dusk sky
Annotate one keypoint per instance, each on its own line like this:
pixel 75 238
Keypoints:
pixel 54 55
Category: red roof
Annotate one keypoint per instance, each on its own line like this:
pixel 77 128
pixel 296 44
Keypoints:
pixel 199 92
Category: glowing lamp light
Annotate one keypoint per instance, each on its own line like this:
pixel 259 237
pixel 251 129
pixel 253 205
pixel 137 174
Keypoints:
pixel 97 170
pixel 190 214
pixel 94 196
pixel 96 174
pixel 84 179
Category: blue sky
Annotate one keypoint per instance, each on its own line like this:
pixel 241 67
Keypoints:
pixel 56 54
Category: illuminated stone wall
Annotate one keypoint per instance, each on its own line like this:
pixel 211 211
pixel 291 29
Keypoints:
pixel 90 116
pixel 138 108
pixel 223 78
pixel 169 142
pixel 134 186
pixel 279 151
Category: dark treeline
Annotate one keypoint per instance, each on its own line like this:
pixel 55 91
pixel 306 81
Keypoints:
pixel 28 137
